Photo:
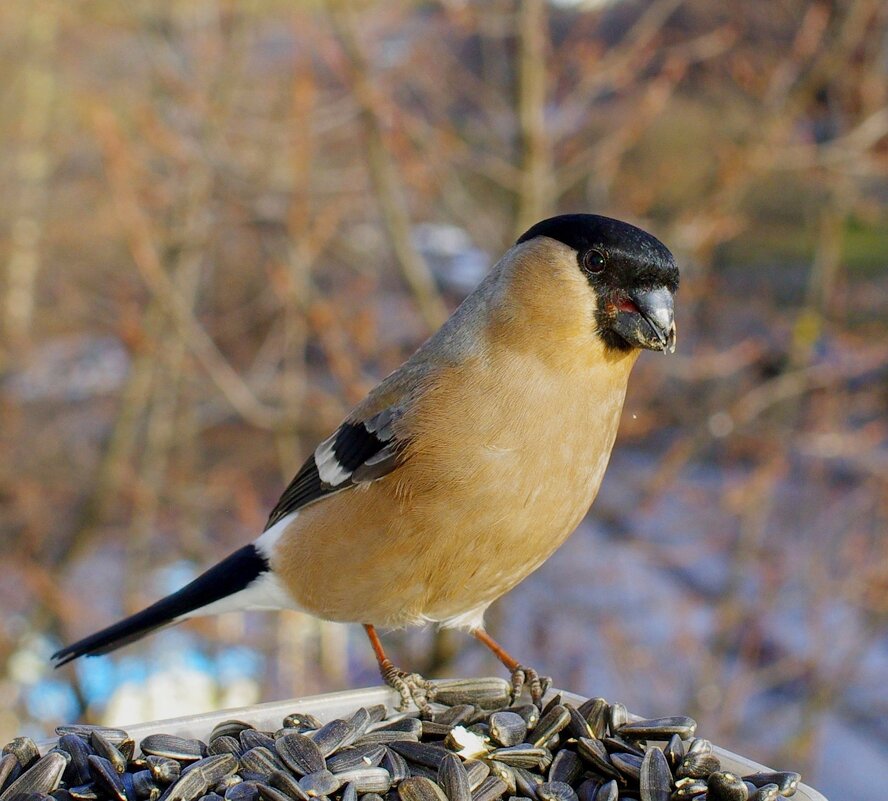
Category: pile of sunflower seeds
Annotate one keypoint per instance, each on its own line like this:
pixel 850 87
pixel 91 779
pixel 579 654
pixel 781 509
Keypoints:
pixel 471 745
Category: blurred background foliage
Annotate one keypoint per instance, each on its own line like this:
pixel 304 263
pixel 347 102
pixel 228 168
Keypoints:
pixel 221 222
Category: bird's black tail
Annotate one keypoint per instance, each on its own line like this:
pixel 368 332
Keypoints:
pixel 231 576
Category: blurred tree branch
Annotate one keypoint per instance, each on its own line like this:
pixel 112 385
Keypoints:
pixel 145 256
pixel 32 165
pixel 535 191
pixel 383 171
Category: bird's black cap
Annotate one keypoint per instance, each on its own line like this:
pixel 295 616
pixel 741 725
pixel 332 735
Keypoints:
pixel 651 261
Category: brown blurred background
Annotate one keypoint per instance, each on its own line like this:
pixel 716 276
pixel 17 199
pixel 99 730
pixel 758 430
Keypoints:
pixel 222 222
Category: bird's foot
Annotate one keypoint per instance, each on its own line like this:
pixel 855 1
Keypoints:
pixel 526 676
pixel 410 686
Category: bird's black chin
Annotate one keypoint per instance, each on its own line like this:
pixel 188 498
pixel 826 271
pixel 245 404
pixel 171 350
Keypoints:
pixel 643 319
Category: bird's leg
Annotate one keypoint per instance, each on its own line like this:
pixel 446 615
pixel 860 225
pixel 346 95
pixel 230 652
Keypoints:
pixel 410 686
pixel 521 674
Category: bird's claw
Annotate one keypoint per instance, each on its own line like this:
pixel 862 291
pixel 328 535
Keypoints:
pixel 526 676
pixel 410 686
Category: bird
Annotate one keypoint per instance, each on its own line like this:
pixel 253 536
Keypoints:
pixel 463 470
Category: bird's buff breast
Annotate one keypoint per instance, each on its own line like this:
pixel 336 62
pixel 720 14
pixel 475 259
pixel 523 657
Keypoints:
pixel 485 496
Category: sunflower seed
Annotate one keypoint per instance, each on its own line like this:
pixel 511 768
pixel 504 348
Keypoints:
pixel 725 786
pixel 228 728
pixel 386 737
pixel 333 735
pixel 504 773
pixel 566 767
pixel 420 753
pixel 688 788
pixel 530 713
pixel 260 760
pixel 395 765
pixel 104 748
pixel 226 744
pixel 523 756
pixel 287 784
pixel 143 783
pixel 617 745
pixel 409 725
pixel 303 720
pixel 787 781
pixel 434 731
pixel 628 764
pixel 10 769
pixel 655 778
pixel 163 769
pixel 250 738
pixel 490 789
pixel 658 728
pixel 697 766
pixel 214 768
pixel 367 780
pixel 377 712
pixel 77 771
pixel 587 789
pixel 269 793
pixel 359 721
pixel 245 791
pixel 595 711
pixel 455 715
pixel 349 793
pixel 507 728
pixel 320 783
pixel 767 792
pixel 617 716
pixel 527 782
pixel 699 746
pixel 596 755
pixel 115 736
pixel 477 772
pixel 25 751
pixel 84 792
pixel 360 756
pixel 129 789
pixel 674 752
pixel 556 791
pixel 423 772
pixel 420 789
pixel 189 787
pixel 107 777
pixel 488 693
pixel 227 782
pixel 608 792
pixel 43 776
pixel 172 747
pixel 299 753
pixel 554 700
pixel 454 779
pixel 551 723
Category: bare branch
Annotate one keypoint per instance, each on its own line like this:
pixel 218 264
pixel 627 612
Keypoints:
pixel 383 171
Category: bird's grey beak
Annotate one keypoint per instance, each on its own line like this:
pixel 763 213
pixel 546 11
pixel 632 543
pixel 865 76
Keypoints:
pixel 653 325
pixel 657 309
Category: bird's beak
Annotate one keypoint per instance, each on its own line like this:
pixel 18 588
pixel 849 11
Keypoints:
pixel 651 324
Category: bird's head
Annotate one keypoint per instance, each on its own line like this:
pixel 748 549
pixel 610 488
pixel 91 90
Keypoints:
pixel 631 274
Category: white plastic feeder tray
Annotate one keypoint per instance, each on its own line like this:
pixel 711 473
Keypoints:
pixel 336 705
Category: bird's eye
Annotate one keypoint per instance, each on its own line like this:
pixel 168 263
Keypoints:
pixel 593 261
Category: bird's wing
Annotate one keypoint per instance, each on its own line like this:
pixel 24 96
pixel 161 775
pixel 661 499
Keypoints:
pixel 357 452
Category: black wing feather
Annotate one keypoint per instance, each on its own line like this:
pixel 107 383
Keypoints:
pixel 353 445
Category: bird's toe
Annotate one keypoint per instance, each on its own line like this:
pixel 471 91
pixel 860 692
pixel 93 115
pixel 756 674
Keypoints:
pixel 523 676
